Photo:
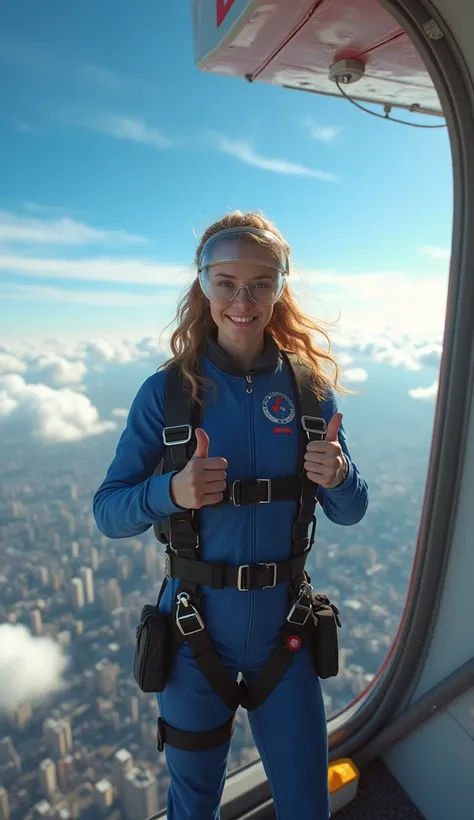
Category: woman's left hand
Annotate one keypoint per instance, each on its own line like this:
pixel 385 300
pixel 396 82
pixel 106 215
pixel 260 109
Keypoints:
pixel 325 462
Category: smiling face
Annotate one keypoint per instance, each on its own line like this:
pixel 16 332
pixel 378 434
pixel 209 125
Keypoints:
pixel 242 320
pixel 243 276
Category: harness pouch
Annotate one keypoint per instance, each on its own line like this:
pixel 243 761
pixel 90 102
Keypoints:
pixel 325 647
pixel 150 664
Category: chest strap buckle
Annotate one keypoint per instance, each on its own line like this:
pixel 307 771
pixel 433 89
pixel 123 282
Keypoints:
pixel 237 491
pixel 259 568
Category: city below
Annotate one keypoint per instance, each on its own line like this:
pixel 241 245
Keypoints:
pixel 87 748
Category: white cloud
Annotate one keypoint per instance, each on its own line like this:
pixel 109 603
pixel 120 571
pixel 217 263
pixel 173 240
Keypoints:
pixel 392 347
pixel 63 231
pixel 244 152
pixel 100 350
pixel 30 667
pixel 92 298
pixel 11 364
pixel 82 355
pixel 105 269
pixel 355 374
pixel 128 128
pixel 120 412
pixel 48 415
pixel 344 359
pixel 322 133
pixel 426 393
pixel 57 369
pixel 436 252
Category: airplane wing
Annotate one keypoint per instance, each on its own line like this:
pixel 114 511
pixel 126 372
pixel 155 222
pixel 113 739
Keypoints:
pixel 294 45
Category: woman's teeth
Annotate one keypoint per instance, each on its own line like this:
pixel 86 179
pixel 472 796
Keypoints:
pixel 242 319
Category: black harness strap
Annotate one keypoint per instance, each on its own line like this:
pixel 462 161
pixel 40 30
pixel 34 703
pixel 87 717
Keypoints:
pixel 193 741
pixel 299 620
pixel 244 577
pixel 181 416
pixel 183 557
pixel 314 428
pixel 261 491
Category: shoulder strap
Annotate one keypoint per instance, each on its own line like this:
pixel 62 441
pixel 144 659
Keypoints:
pixel 182 416
pixel 313 428
pixel 312 421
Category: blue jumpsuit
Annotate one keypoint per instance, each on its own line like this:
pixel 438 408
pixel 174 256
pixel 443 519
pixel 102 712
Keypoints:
pixel 257 432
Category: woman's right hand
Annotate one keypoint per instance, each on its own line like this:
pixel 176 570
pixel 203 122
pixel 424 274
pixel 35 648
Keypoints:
pixel 203 480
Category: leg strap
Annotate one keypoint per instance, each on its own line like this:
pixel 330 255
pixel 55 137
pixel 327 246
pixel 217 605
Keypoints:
pixel 194 741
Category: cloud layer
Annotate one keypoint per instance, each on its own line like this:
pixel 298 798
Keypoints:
pixel 30 668
pixel 55 413
pixel 46 414
pixel 43 391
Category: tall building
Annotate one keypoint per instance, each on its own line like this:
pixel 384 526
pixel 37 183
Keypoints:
pixel 104 795
pixel 77 592
pixel 134 708
pixel 44 576
pixel 123 763
pixel 57 579
pixel 106 677
pixel 113 595
pixel 65 771
pixel 124 567
pixel 36 622
pixel 122 618
pixel 47 777
pixel 75 549
pixel 87 577
pixel 9 755
pixel 140 794
pixel 4 804
pixel 58 737
pixel 95 559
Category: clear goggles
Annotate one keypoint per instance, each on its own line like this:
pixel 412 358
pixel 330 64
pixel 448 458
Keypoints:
pixel 263 255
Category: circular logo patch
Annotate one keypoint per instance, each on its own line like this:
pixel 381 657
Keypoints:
pixel 293 643
pixel 278 408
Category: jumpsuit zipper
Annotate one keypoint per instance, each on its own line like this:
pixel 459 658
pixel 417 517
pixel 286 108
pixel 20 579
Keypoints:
pixel 249 391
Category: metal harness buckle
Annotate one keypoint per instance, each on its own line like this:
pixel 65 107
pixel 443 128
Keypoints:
pixel 320 428
pixel 234 491
pixel 186 433
pixel 244 567
pixel 298 607
pixel 183 599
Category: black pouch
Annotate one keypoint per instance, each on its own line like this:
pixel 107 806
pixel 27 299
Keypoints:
pixel 325 647
pixel 150 664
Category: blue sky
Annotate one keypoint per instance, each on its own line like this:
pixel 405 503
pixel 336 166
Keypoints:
pixel 115 149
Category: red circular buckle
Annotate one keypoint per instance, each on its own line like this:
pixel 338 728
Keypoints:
pixel 293 643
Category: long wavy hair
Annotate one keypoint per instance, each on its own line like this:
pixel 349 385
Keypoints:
pixel 292 329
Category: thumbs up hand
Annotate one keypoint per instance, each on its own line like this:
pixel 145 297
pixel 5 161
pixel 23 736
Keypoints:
pixel 203 480
pixel 325 463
